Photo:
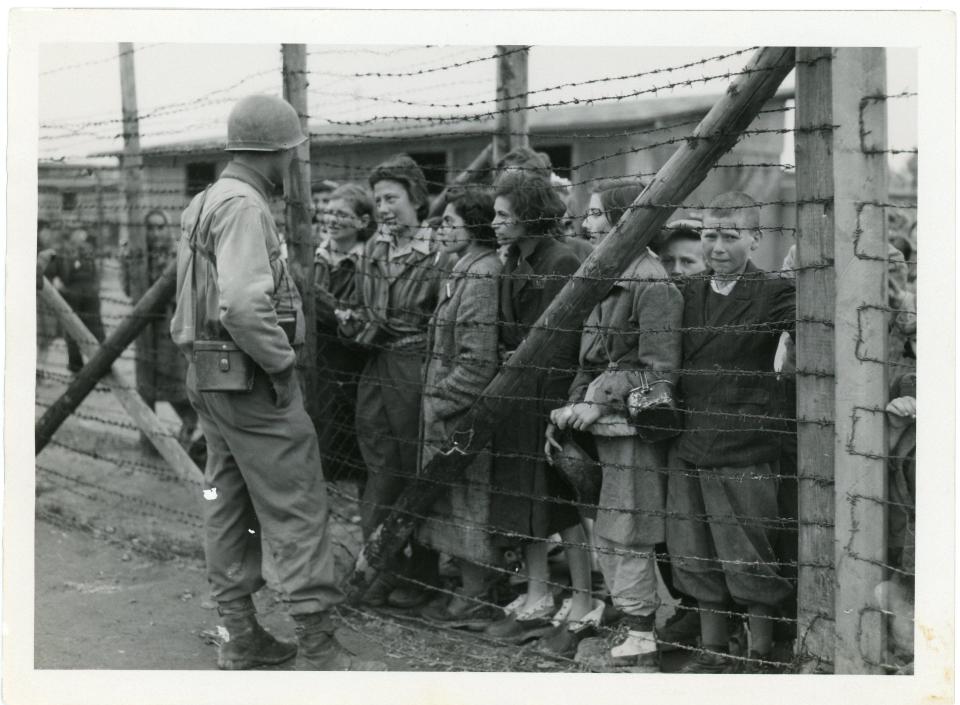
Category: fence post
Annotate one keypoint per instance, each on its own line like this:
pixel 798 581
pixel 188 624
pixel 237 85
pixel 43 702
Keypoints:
pixel 131 174
pixel 299 203
pixel 815 354
pixel 860 258
pixel 511 129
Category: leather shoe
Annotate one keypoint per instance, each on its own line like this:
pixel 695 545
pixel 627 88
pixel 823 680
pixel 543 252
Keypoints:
pixel 408 596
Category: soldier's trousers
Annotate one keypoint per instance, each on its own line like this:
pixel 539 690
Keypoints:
pixel 263 488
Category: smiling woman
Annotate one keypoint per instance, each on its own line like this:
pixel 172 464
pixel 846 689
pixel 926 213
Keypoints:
pixel 399 281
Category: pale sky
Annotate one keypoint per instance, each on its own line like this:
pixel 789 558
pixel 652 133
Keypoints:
pixel 186 90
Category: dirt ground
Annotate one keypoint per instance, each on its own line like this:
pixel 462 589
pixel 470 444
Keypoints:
pixel 120 583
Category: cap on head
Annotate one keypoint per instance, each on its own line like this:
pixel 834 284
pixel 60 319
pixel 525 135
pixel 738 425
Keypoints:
pixel 263 123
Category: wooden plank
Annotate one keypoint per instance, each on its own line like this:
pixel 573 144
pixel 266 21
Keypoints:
pixel 815 353
pixel 511 128
pixel 122 388
pixel 685 170
pixel 861 385
pixel 299 201
pixel 99 364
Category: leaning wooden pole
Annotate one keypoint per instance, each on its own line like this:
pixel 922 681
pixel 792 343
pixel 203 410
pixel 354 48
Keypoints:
pixel 480 166
pixel 686 169
pixel 168 446
pixel 152 303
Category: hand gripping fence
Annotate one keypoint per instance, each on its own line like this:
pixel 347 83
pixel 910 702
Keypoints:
pixel 686 169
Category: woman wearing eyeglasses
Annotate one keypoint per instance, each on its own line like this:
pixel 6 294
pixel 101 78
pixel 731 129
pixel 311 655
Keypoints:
pixel 349 220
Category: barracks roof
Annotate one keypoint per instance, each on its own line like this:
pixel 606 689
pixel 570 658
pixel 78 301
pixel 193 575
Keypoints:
pixel 559 120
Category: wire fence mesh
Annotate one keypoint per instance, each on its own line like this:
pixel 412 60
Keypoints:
pixel 579 502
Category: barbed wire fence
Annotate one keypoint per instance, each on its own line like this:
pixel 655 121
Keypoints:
pixel 836 472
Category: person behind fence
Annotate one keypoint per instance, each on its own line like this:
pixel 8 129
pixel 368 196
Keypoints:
pixel 321 193
pixel 399 281
pixel 679 248
pixel 524 503
pixel 239 321
pixel 48 326
pixel 681 255
pixel 895 595
pixel 630 341
pixel 462 344
pixel 161 368
pixel 527 160
pixel 77 278
pixel 351 221
pixel 722 512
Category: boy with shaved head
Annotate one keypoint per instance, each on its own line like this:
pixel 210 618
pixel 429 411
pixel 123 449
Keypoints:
pixel 722 513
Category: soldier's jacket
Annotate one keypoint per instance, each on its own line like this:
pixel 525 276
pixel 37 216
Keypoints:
pixel 243 285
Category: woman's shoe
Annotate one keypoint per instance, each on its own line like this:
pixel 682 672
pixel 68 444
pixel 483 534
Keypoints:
pixel 565 636
pixel 518 627
pixel 462 612
pixel 409 596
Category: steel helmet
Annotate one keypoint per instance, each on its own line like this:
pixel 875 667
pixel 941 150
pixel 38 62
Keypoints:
pixel 263 123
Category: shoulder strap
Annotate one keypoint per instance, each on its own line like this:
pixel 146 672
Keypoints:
pixel 192 242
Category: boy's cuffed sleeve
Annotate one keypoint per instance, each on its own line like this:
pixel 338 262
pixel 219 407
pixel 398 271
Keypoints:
pixel 246 285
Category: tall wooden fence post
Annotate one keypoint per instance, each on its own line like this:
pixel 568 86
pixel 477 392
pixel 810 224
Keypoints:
pixel 131 173
pixel 298 199
pixel 815 354
pixel 511 128
pixel 860 253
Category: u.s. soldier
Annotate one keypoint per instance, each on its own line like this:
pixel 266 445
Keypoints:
pixel 263 486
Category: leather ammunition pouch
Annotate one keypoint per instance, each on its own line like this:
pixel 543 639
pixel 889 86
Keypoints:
pixel 221 366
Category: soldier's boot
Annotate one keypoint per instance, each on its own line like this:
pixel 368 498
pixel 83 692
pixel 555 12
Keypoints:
pixel 319 649
pixel 244 643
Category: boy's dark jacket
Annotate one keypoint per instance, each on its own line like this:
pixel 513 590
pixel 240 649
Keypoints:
pixel 726 406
